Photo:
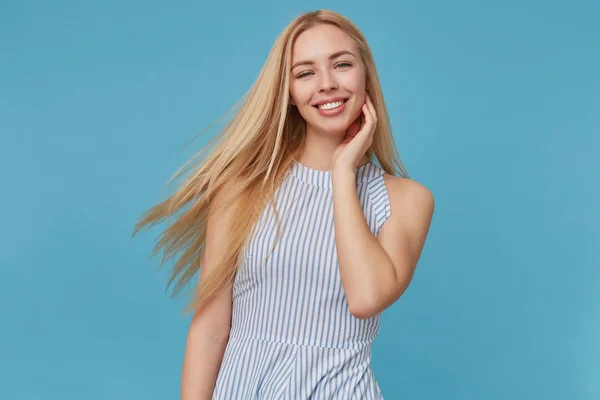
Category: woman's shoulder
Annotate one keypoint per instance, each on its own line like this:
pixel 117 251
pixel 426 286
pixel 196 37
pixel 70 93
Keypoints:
pixel 399 188
pixel 408 198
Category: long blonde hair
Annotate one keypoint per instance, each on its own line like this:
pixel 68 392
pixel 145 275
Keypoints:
pixel 255 150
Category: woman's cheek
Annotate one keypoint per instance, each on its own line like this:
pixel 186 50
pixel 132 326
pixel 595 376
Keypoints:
pixel 357 112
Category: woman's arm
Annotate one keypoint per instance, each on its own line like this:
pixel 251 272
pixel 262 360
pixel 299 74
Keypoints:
pixel 205 346
pixel 209 330
pixel 375 271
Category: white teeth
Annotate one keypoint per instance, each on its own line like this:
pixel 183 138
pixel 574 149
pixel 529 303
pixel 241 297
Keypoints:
pixel 330 106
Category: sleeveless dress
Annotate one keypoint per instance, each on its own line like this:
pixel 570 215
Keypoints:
pixel 292 334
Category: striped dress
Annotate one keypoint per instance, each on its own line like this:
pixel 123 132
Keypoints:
pixel 292 334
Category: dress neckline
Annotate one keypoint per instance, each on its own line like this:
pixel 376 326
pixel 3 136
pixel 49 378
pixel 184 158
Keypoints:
pixel 316 177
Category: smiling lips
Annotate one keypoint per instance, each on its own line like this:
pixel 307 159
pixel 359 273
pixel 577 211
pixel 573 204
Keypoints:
pixel 331 108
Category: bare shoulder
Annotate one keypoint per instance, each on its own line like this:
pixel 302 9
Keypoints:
pixel 225 199
pixel 409 192
pixel 411 210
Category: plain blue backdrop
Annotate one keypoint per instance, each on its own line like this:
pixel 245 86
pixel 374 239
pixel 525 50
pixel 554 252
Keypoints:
pixel 495 107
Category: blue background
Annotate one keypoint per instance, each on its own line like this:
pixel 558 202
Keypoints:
pixel 496 109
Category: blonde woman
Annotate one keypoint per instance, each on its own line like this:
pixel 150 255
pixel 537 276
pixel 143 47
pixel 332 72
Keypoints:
pixel 301 240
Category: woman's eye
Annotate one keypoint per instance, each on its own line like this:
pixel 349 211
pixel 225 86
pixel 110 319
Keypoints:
pixel 341 64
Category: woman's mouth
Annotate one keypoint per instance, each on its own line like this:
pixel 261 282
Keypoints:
pixel 331 109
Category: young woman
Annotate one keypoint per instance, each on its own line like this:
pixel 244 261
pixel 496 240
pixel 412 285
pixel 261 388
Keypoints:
pixel 303 240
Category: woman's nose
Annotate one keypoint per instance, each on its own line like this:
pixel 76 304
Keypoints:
pixel 327 82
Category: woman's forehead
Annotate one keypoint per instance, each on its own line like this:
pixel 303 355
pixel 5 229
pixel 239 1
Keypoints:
pixel 320 42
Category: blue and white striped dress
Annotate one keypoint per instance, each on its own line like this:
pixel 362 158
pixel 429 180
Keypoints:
pixel 292 334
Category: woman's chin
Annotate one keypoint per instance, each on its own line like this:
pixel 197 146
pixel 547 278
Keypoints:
pixel 337 132
pixel 333 129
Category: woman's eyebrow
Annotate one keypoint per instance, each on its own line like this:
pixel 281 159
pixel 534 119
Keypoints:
pixel 331 57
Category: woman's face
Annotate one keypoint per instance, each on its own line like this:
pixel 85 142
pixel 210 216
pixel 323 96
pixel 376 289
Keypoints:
pixel 327 71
